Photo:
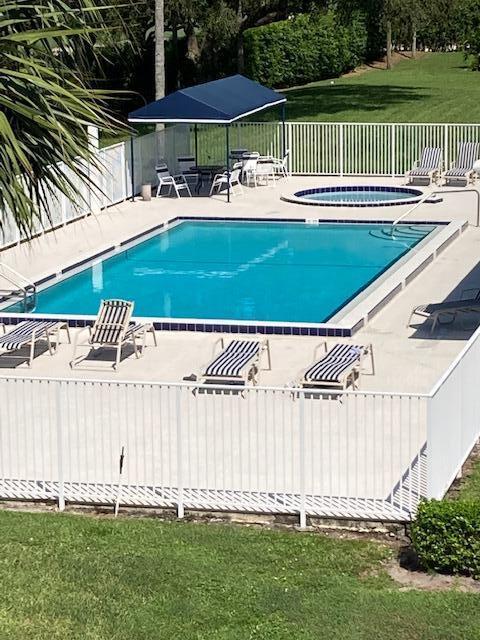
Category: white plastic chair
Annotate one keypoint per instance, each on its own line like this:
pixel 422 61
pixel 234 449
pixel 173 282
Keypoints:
pixel 165 179
pixel 249 168
pixel 280 167
pixel 185 164
pixel 224 179
pixel 265 171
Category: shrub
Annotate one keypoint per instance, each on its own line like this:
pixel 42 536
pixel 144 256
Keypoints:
pixel 446 536
pixel 304 49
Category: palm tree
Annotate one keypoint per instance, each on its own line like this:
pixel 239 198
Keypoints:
pixel 159 49
pixel 47 102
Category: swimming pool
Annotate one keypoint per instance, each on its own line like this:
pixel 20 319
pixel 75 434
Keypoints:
pixel 237 270
pixel 357 196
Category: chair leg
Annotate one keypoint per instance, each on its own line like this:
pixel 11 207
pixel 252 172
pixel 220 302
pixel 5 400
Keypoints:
pixel 117 358
pixel 32 352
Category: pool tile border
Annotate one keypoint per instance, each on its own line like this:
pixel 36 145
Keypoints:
pixel 327 329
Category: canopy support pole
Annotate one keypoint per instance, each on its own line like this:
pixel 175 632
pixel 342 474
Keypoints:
pixel 132 169
pixel 284 134
pixel 195 128
pixel 227 141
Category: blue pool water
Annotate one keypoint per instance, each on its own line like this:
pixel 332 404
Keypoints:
pixel 293 272
pixel 358 195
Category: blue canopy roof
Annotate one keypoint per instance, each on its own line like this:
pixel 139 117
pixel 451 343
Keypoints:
pixel 220 102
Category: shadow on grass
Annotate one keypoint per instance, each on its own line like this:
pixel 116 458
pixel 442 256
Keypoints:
pixel 331 99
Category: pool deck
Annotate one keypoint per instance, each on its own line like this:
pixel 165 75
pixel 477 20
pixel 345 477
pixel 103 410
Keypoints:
pixel 407 359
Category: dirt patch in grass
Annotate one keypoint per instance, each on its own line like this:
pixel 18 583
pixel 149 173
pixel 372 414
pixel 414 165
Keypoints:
pixel 420 580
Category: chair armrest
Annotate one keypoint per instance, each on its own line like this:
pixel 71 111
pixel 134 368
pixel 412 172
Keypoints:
pixel 321 344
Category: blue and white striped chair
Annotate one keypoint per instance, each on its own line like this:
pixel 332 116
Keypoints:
pixel 238 363
pixel 112 329
pixel 429 166
pixel 30 332
pixel 338 367
pixel 462 167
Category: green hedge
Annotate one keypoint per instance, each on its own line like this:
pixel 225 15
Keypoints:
pixel 446 536
pixel 304 49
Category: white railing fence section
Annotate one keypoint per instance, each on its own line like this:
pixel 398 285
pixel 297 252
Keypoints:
pixel 454 418
pixel 353 455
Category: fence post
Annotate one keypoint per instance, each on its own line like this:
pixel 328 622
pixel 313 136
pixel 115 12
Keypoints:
pixel 301 420
pixel 59 426
pixel 178 409
pixel 445 146
pixel 340 142
pixel 393 151
pixel 289 145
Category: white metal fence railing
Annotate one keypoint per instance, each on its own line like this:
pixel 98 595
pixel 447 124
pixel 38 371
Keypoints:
pixel 454 418
pixel 316 148
pixel 347 454
pixel 353 455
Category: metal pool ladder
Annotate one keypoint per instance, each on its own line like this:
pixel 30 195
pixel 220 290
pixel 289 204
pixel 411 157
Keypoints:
pixel 21 287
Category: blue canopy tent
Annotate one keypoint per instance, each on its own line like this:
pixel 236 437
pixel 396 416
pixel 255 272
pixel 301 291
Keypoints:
pixel 219 102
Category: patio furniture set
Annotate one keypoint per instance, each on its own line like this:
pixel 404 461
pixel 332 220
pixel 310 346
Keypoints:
pixel 247 168
pixel 464 168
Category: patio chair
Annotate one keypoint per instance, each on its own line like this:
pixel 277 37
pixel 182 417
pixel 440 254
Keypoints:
pixel 448 309
pixel 30 332
pixel 238 363
pixel 280 167
pixel 112 329
pixel 185 164
pixel 165 179
pixel 249 168
pixel 336 368
pixel 226 178
pixel 462 167
pixel 428 167
pixel 265 171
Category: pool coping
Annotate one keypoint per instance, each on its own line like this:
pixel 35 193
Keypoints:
pixel 352 317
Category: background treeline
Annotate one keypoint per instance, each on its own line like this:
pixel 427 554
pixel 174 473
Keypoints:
pixel 282 42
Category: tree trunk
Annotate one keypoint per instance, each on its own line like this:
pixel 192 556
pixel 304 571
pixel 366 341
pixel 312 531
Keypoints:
pixel 159 50
pixel 176 70
pixel 389 44
pixel 414 41
pixel 240 51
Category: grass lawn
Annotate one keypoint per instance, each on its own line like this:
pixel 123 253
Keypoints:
pixel 64 576
pixel 438 87
pixel 470 484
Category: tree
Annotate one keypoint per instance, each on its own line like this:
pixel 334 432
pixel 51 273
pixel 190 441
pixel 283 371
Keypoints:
pixel 47 102
pixel 159 50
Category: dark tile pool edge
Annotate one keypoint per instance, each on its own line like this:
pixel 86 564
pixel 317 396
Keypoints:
pixel 226 326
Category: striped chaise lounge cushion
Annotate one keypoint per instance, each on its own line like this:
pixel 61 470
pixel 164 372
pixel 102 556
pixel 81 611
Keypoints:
pixel 334 363
pixel 112 320
pixel 233 359
pixel 429 161
pixel 21 334
pixel 468 152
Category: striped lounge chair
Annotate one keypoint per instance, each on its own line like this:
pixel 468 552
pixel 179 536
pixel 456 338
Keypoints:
pixel 428 167
pixel 30 332
pixel 338 367
pixel 238 363
pixel 112 329
pixel 449 309
pixel 462 167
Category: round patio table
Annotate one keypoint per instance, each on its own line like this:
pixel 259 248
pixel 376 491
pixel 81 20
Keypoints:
pixel 206 172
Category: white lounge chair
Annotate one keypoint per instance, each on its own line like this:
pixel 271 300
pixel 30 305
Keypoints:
pixel 165 179
pixel 337 367
pixel 462 167
pixel 185 164
pixel 29 332
pixel 449 309
pixel 238 363
pixel 226 178
pixel 113 329
pixel 429 166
